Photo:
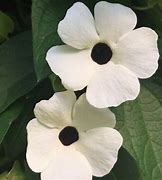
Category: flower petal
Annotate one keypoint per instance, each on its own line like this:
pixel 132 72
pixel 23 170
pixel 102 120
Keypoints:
pixel 113 20
pixel 42 142
pixel 74 67
pixel 100 146
pixel 68 165
pixel 87 116
pixel 77 29
pixel 56 112
pixel 113 85
pixel 138 51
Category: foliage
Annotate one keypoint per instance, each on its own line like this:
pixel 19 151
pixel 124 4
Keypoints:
pixel 15 173
pixel 6 26
pixel 140 124
pixel 16 69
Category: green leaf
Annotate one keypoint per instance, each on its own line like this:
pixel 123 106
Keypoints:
pixel 3 176
pixel 30 174
pixel 124 169
pixel 16 173
pixel 56 83
pixel 145 4
pixel 46 15
pixel 160 4
pixel 15 140
pixel 17 76
pixel 159 70
pixel 160 46
pixel 6 25
pixel 152 3
pixel 140 123
pixel 8 116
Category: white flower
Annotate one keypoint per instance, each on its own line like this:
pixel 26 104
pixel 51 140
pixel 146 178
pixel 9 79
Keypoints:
pixel 71 140
pixel 104 53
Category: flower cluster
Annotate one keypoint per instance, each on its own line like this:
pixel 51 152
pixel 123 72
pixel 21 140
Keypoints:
pixel 75 139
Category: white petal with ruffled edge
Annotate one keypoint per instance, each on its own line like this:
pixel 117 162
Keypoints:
pixel 86 116
pixel 68 165
pixel 74 67
pixel 100 146
pixel 138 51
pixel 113 20
pixel 42 144
pixel 77 29
pixel 56 112
pixel 112 86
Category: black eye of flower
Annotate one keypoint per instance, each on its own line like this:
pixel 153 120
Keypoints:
pixel 101 53
pixel 68 135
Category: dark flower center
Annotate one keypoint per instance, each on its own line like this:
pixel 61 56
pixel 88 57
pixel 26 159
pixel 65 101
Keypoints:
pixel 68 135
pixel 101 53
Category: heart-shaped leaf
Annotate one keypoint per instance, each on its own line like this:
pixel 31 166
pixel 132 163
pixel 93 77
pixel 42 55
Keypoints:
pixel 140 123
pixel 17 75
